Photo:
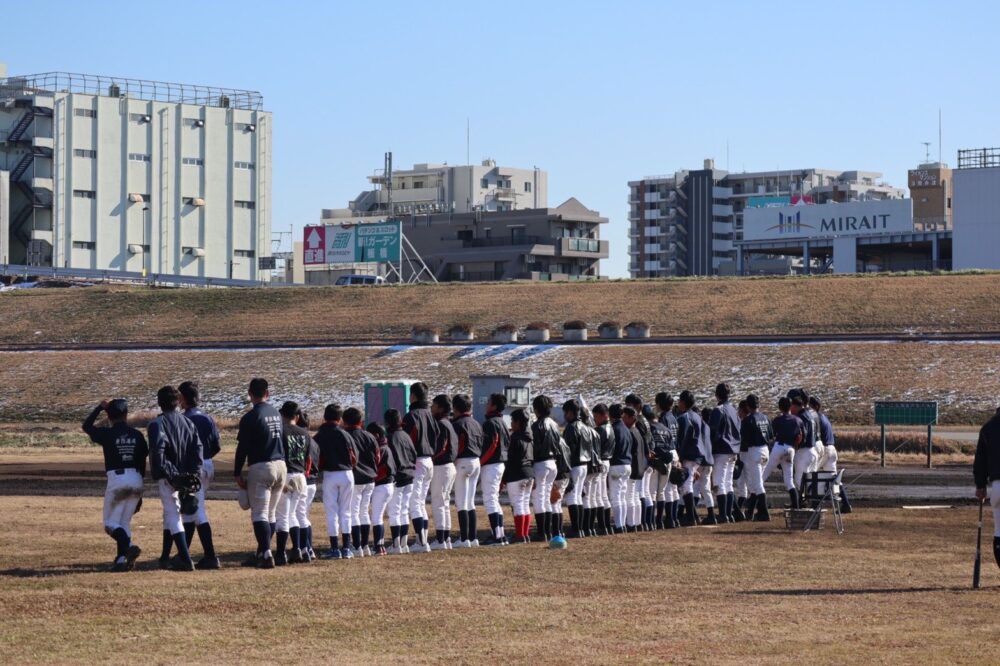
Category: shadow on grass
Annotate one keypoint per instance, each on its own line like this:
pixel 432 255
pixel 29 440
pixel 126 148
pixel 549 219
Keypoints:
pixel 854 591
pixel 229 561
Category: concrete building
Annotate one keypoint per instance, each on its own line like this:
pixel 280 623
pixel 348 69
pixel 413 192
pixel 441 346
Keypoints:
pixel 428 189
pixel 688 223
pixel 930 190
pixel 977 209
pixel 107 173
pixel 551 244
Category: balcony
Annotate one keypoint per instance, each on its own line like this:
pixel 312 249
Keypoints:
pixel 504 194
pixel 582 247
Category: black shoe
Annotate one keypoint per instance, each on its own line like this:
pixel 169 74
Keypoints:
pixel 131 555
pixel 618 530
pixel 793 498
pixel 295 556
pixel 177 564
pixel 164 563
pixel 119 566
pixel 738 514
pixel 761 515
pixel 280 558
pixel 749 507
pixel 996 550
pixel 265 562
pixel 710 520
pixel 208 564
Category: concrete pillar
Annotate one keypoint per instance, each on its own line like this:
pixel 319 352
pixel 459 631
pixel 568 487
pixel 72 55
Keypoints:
pixel 935 254
pixel 739 260
pixel 805 258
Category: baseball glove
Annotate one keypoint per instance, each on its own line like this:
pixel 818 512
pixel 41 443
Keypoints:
pixel 678 475
pixel 555 495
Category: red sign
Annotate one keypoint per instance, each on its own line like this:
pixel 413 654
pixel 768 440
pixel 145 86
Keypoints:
pixel 314 245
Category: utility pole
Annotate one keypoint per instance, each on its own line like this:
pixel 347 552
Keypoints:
pixel 388 183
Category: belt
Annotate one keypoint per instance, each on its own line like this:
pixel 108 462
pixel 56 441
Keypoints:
pixel 119 472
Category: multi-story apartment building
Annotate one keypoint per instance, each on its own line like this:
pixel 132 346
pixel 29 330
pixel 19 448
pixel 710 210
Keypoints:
pixel 687 223
pixel 428 189
pixel 108 173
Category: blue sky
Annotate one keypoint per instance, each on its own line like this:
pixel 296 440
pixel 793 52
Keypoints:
pixel 595 93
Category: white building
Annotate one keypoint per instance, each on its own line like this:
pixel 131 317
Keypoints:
pixel 429 189
pixel 976 210
pixel 129 175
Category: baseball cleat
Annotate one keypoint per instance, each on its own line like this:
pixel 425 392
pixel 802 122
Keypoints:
pixel 346 554
pixel 367 550
pixel 438 545
pixel 177 564
pixel 393 550
pixel 295 556
pixel 131 555
pixel 164 562
pixel 119 566
pixel 380 550
pixel 208 563
pixel 332 554
pixel 280 558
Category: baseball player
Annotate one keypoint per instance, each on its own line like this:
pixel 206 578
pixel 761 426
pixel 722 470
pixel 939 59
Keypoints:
pixel 467 469
pixel 312 476
pixel 337 457
pixel 210 443
pixel 633 492
pixel 559 486
pixel 601 506
pixel 724 424
pixel 620 468
pixel 422 427
pixel 545 440
pixel 664 457
pixel 986 473
pixel 443 478
pixel 805 459
pixel 828 463
pixel 385 486
pixel 125 452
pixel 671 495
pixel 518 474
pixel 787 436
pixel 703 484
pixel 756 435
pixel 644 492
pixel 260 445
pixel 404 456
pixel 368 452
pixel 292 507
pixel 694 453
pixel 739 477
pixel 496 442
pixel 582 441
pixel 174 452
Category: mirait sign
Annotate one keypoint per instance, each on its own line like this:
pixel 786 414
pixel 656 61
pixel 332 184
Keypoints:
pixel 855 218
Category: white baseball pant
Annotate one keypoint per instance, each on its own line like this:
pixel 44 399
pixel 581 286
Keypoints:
pixel 200 517
pixel 292 503
pixel 995 504
pixel 618 483
pixel 702 487
pixel 361 504
pixel 633 501
pixel 422 475
pixel 381 497
pixel 545 477
pixel 120 500
pixel 442 481
pixel 754 460
pixel 601 486
pixel 578 475
pixel 171 507
pixel 490 477
pixel 310 496
pixel 781 454
pixel 519 496
pixel 561 484
pixel 399 506
pixel 338 491
pixel 466 480
pixel 722 473
pixel 265 481
pixel 805 461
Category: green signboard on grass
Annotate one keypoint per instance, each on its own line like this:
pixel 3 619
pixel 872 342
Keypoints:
pixel 906 413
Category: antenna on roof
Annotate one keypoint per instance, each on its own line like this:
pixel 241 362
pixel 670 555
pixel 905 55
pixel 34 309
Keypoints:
pixel 467 141
pixel 939 134
pixel 927 151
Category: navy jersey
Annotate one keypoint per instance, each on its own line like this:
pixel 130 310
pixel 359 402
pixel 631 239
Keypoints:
pixel 207 431
pixel 296 442
pixel 725 427
pixel 755 430
pixel 788 430
pixel 368 453
pixel 174 446
pixel 825 430
pixel 259 438
pixel 622 453
pixel 692 446
pixel 124 447
pixel 336 449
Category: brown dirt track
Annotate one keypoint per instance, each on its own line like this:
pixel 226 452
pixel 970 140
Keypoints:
pixel 893 589
pixel 767 306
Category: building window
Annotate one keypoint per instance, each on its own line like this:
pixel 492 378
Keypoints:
pixel 139 157
pixel 245 204
pixel 85 194
pixel 484 183
pixel 193 161
pixel 418 184
pixel 243 253
pixel 527 187
pixel 248 166
pixel 84 245
pixel 84 152
pixel 85 113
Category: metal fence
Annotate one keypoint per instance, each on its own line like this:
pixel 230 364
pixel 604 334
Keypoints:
pixel 29 272
pixel 978 158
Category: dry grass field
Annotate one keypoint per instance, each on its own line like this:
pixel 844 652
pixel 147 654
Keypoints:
pixel 830 304
pixel 895 588
pixel 964 378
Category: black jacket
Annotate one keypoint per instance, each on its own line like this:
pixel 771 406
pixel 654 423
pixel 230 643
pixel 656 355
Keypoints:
pixel 470 436
pixel 755 430
pixel 663 444
pixel 174 447
pixel 725 427
pixel 385 464
pixel 124 447
pixel 404 456
pixel 519 458
pixel 690 444
pixel 622 453
pixel 422 428
pixel 788 430
pixel 810 428
pixel 607 444
pixel 336 449
pixel 986 467
pixel 446 445
pixel 640 451
pixel 367 449
pixel 583 442
pixel 312 462
pixel 545 439
pixel 296 442
pixel 496 441
pixel 259 438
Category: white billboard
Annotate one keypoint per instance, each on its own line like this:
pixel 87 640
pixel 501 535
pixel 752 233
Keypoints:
pixel 856 218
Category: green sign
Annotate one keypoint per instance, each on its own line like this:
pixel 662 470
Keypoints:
pixel 906 413
pixel 377 242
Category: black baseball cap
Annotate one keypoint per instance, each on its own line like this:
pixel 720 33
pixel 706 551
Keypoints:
pixel 117 408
